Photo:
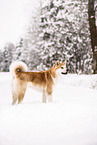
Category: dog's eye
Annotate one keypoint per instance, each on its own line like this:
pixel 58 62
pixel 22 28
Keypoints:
pixel 62 67
pixel 18 69
pixel 57 63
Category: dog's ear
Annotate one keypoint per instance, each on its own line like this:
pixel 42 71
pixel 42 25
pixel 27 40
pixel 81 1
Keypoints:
pixel 56 64
pixel 65 62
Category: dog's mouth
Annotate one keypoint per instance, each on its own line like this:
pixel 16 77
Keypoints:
pixel 63 73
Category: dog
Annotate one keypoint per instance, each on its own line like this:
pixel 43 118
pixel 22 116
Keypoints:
pixel 44 80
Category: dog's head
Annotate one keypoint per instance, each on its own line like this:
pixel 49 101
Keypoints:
pixel 60 67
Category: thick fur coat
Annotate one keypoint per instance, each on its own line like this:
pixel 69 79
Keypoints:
pixel 43 80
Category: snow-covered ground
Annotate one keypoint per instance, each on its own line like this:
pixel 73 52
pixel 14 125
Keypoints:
pixel 71 119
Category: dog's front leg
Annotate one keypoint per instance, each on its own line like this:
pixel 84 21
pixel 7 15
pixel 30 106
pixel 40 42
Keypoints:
pixel 50 98
pixel 44 96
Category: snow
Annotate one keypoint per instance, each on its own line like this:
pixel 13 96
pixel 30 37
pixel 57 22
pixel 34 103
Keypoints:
pixel 71 119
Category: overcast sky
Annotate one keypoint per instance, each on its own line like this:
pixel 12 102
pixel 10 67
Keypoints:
pixel 14 19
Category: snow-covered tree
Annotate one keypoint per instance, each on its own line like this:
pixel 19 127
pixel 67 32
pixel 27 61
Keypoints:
pixel 31 48
pixel 1 60
pixel 30 55
pixel 18 50
pixel 57 31
pixel 7 55
pixel 65 34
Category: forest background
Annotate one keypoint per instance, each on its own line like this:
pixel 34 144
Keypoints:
pixel 59 30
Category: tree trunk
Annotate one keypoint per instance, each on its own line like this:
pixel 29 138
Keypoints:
pixel 93 32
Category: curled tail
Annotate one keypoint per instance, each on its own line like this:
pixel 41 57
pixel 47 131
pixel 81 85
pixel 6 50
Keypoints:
pixel 18 88
pixel 17 66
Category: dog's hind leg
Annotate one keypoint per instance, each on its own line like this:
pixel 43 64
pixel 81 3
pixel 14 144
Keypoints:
pixel 14 99
pixel 20 97
pixel 14 96
pixel 21 89
pixel 44 96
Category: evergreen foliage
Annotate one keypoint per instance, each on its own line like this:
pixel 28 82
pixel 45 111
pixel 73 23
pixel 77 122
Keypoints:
pixel 65 34
pixel 18 50
pixel 59 31
pixel 1 60
pixel 6 57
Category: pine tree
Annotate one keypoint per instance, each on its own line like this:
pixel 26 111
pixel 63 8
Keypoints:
pixel 1 60
pixel 7 56
pixel 18 50
pixel 30 53
pixel 65 34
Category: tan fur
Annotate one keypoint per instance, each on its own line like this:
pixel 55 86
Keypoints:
pixel 42 79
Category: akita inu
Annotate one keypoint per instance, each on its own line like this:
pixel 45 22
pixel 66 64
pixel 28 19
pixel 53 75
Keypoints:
pixel 43 79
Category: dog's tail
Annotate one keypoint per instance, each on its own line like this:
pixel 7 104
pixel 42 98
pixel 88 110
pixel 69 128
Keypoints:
pixel 17 66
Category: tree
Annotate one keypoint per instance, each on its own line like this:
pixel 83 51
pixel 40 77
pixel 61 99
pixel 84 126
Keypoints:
pixel 1 60
pixel 18 50
pixel 30 48
pixel 65 34
pixel 30 55
pixel 7 55
pixel 93 30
